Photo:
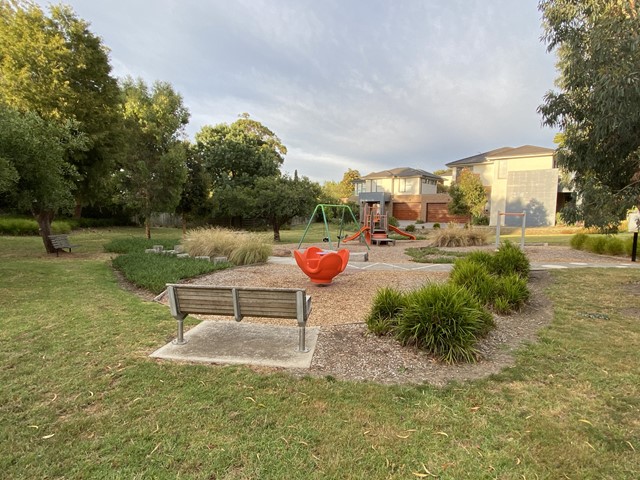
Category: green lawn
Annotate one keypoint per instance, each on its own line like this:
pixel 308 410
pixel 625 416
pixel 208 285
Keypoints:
pixel 80 397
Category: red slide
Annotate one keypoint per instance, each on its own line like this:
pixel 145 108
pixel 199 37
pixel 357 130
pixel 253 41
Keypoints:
pixel 364 230
pixel 402 232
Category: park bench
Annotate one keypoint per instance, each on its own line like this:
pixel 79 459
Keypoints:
pixel 60 242
pixel 383 241
pixel 239 302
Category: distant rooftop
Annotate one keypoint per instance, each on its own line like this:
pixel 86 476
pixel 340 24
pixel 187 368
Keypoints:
pixel 503 152
pixel 402 172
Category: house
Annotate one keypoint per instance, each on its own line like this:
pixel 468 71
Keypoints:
pixel 518 179
pixel 405 193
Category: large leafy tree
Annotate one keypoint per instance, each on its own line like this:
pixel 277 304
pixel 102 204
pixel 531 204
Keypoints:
pixel 346 184
pixel 195 200
pixel 597 105
pixel 278 199
pixel 468 196
pixel 57 68
pixel 236 156
pixel 153 174
pixel 35 173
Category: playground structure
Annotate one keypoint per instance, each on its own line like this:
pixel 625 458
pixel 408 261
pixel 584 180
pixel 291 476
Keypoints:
pixel 321 266
pixel 375 228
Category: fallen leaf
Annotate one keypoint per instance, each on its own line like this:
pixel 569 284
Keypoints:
pixel 585 421
pixel 629 443
pixel 48 436
pixel 442 433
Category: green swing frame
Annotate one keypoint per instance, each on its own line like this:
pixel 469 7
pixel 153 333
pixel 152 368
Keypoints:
pixel 322 207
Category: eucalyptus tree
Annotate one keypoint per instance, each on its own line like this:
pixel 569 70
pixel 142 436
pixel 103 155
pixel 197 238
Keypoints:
pixel 597 104
pixel 153 171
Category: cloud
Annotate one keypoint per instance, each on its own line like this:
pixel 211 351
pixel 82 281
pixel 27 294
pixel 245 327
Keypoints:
pixel 345 84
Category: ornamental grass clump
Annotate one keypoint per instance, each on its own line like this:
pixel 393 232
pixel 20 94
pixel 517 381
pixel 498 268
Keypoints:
pixel 252 248
pixel 595 244
pixel 458 237
pixel 239 247
pixel 387 306
pixel 445 320
pixel 614 246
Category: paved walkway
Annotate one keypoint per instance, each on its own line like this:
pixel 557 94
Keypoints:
pixel 445 267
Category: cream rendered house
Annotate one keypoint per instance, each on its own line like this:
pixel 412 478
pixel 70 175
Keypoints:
pixel 518 179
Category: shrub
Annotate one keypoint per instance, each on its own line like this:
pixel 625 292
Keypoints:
pixel 614 246
pixel 436 226
pixel 628 246
pixel 511 293
pixel 153 272
pixel 510 259
pixel 482 220
pixel 387 305
pixel 578 240
pixel 445 320
pixel 393 221
pixel 595 244
pixel 502 292
pixel 410 228
pixel 27 226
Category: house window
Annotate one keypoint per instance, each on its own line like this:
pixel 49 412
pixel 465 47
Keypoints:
pixel 402 185
pixel 359 187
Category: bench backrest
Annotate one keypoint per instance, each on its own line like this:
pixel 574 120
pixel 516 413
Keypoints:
pixel 60 241
pixel 238 302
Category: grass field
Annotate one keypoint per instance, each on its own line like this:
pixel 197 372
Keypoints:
pixel 80 397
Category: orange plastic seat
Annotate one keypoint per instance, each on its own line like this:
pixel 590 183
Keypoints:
pixel 319 266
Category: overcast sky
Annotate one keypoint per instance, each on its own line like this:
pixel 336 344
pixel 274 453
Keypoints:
pixel 364 84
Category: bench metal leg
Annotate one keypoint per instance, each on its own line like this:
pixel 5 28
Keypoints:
pixel 301 340
pixel 180 340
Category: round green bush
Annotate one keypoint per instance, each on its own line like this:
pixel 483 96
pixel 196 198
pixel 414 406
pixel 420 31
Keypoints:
pixel 410 228
pixel 436 225
pixel 474 277
pixel 577 241
pixel 445 320
pixel 595 244
pixel 510 259
pixel 614 246
pixel 387 305
pixel 510 293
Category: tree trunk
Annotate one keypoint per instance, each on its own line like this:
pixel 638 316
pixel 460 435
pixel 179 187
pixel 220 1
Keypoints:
pixel 276 231
pixel 77 211
pixel 147 227
pixel 44 220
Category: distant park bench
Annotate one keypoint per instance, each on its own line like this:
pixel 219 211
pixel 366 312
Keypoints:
pixel 60 242
pixel 239 302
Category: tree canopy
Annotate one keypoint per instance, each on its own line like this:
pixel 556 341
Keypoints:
pixel 597 106
pixel 37 177
pixel 55 67
pixel 236 156
pixel 153 174
pixel 468 197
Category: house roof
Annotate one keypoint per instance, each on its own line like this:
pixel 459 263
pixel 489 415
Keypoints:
pixel 502 152
pixel 402 172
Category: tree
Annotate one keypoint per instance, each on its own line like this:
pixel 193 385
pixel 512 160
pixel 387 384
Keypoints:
pixel 468 197
pixel 54 66
pixel 346 184
pixel 281 198
pixel 195 200
pixel 153 173
pixel 235 156
pixel 597 107
pixel 38 178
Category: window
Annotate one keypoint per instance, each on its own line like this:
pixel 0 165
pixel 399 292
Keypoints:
pixel 359 187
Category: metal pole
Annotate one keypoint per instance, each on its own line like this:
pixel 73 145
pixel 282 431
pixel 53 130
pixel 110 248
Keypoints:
pixel 524 222
pixel 301 346
pixel 634 249
pixel 498 229
pixel 180 340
